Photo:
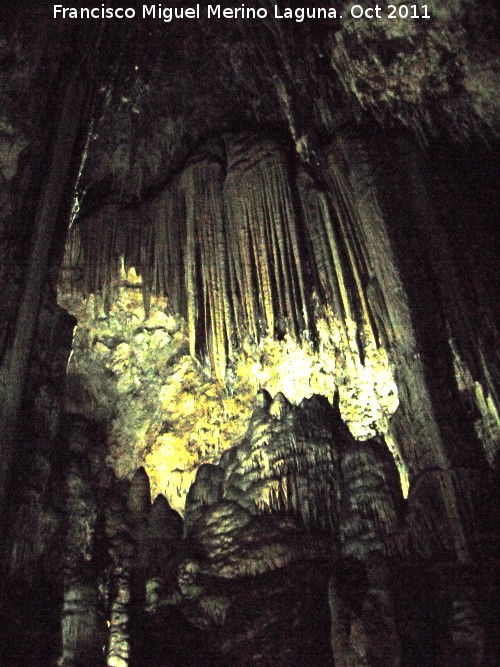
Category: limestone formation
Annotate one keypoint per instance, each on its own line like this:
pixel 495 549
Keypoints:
pixel 272 438
pixel 139 495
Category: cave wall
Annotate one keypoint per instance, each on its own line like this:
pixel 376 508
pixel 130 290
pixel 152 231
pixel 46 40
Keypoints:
pixel 365 241
pixel 320 204
pixel 297 548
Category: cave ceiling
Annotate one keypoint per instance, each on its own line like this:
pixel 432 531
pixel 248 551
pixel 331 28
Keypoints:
pixel 163 87
pixel 249 379
pixel 172 86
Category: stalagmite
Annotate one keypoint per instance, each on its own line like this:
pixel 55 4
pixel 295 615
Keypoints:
pixel 139 497
pixel 118 652
pixel 371 496
pixel 207 488
pixel 82 622
pixel 288 461
pixel 279 406
pixel 82 625
pixel 164 530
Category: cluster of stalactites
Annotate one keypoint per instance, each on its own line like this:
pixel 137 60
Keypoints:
pixel 237 242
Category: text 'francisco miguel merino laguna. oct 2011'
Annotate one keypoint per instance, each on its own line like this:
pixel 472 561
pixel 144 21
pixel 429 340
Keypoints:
pixel 197 11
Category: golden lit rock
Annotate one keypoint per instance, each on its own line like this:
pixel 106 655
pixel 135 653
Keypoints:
pixel 169 413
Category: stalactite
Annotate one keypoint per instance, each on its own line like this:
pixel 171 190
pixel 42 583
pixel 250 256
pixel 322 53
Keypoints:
pixel 206 281
pixel 354 185
pixel 236 207
pixel 352 235
pixel 146 266
pixel 222 241
pixel 190 272
pixel 483 395
pixel 326 251
pixel 226 250
pixel 260 206
pixel 168 212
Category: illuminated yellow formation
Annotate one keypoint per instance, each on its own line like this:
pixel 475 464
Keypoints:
pixel 169 412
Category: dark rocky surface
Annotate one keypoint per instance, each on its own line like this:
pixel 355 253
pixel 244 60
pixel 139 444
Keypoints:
pixel 255 174
pixel 297 549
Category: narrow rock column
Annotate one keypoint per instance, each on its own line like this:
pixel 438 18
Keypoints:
pixel 363 623
pixel 348 637
pixel 122 553
pixel 126 527
pixel 467 632
pixel 73 120
pixel 384 648
pixel 82 626
pixel 118 653
pixel 81 639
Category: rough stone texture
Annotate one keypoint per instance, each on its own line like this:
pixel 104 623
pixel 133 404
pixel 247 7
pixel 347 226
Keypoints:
pixel 285 556
pixel 301 548
pixel 374 304
pixel 186 416
pixel 392 68
pixel 283 501
pixel 139 495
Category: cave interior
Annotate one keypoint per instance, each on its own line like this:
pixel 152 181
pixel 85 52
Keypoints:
pixel 249 398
